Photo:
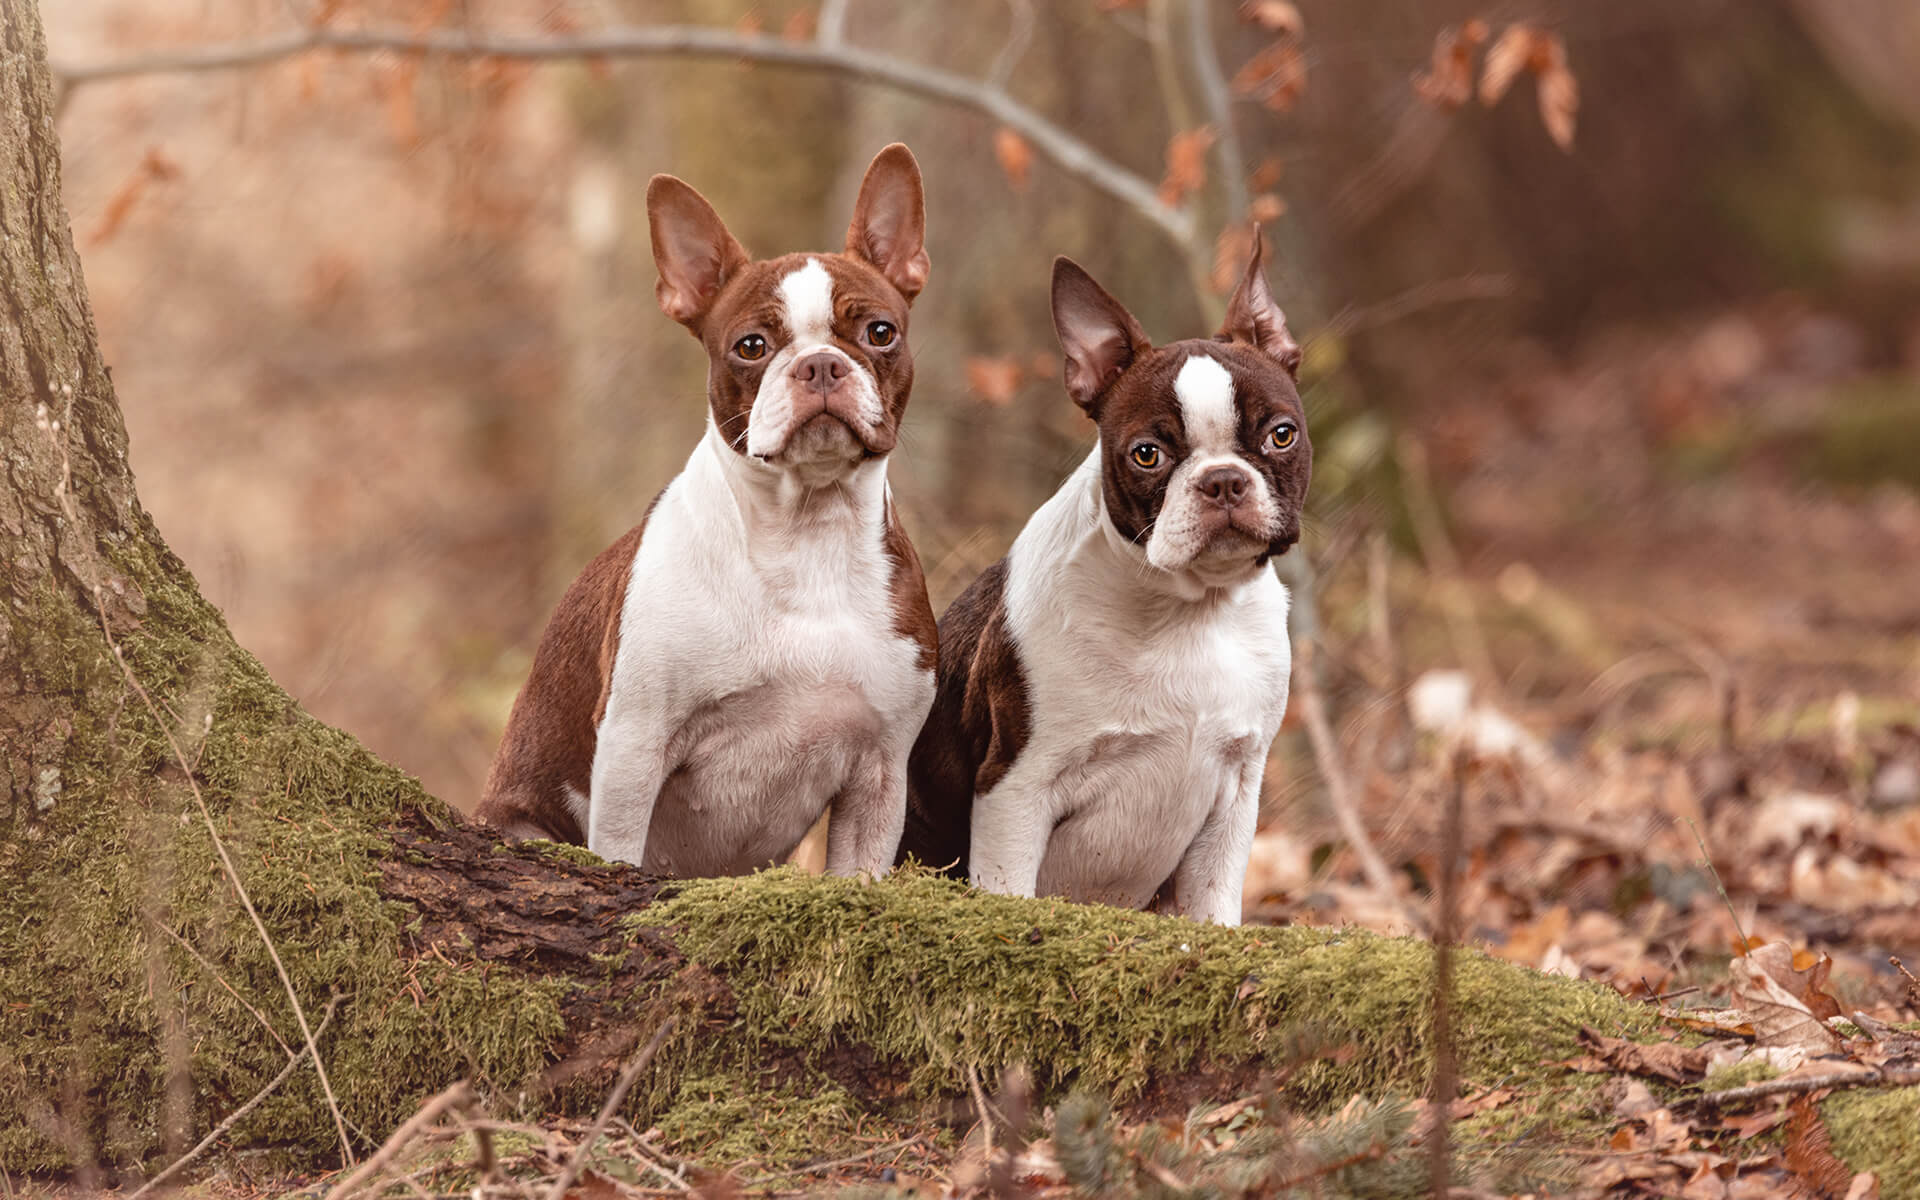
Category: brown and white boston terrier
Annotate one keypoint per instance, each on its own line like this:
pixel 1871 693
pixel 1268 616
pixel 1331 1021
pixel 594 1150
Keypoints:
pixel 1109 690
pixel 760 649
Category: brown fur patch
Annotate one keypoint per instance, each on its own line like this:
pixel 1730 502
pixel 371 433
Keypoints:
pixel 912 611
pixel 979 723
pixel 555 723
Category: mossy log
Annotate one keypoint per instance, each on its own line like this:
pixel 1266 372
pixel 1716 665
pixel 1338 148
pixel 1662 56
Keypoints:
pixel 139 1004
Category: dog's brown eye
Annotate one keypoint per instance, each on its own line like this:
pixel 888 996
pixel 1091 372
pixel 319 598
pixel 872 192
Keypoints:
pixel 1283 436
pixel 1146 455
pixel 752 347
pixel 882 333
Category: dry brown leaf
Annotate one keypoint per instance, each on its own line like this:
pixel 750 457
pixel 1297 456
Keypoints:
pixel 1267 174
pixel 1266 208
pixel 1447 83
pixel 800 26
pixel 1186 164
pixel 1014 155
pixel 154 167
pixel 1559 90
pixel 1803 973
pixel 1276 77
pixel 1779 1017
pixel 994 380
pixel 1274 16
pixel 1529 943
pixel 1752 1124
pixel 1505 59
pixel 1662 1060
pixel 1230 253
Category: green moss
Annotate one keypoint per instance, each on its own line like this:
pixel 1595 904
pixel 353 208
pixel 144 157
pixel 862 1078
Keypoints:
pixel 577 855
pixel 1878 1131
pixel 726 1120
pixel 102 1001
pixel 938 979
pixel 1738 1075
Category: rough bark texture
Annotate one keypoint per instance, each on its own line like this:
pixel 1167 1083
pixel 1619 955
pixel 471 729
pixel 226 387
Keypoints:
pixel 139 1004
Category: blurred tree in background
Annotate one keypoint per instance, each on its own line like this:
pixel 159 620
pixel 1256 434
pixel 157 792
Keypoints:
pixel 384 327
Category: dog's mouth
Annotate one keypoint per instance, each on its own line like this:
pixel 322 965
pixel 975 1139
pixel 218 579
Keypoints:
pixel 1232 532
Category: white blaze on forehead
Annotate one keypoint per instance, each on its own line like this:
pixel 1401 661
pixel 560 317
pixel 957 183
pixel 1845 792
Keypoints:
pixel 1205 391
pixel 806 296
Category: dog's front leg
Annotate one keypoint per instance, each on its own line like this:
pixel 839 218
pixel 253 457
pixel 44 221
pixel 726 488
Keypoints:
pixel 629 767
pixel 1208 883
pixel 867 817
pixel 1010 829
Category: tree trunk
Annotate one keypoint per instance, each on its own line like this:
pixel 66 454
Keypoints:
pixel 161 789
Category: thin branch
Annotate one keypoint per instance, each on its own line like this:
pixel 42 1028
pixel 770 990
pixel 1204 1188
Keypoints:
pixel 614 1098
pixel 233 875
pixel 214 971
pixel 1326 753
pixel 832 26
pixel 1218 99
pixel 1878 1077
pixel 237 1115
pixel 1063 149
pixel 814 1168
pixel 1019 37
pixel 458 1097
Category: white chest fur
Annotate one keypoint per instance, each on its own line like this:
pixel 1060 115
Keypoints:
pixel 1153 707
pixel 758 677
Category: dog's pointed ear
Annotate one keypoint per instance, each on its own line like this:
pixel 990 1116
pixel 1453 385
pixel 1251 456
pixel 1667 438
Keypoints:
pixel 889 228
pixel 1100 337
pixel 692 248
pixel 1254 319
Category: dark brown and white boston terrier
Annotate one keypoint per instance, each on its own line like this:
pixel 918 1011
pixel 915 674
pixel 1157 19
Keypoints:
pixel 759 650
pixel 1109 690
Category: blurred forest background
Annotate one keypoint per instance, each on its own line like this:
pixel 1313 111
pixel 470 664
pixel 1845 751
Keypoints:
pixel 1614 382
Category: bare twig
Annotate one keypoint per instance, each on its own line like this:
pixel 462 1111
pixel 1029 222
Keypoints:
pixel 832 27
pixel 849 1160
pixel 214 971
pixel 1326 753
pixel 1439 1151
pixel 628 1074
pixel 980 1106
pixel 237 1115
pixel 825 53
pixel 456 1098
pixel 1707 860
pixel 1019 37
pixel 233 874
pixel 1430 531
pixel 1214 94
pixel 1800 1086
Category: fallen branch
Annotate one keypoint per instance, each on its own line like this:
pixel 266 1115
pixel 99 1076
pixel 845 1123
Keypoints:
pixel 836 1164
pixel 1801 1085
pixel 237 1115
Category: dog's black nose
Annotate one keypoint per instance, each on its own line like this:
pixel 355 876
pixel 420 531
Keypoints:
pixel 1224 486
pixel 820 371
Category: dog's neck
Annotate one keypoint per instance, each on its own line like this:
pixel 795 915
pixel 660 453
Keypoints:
pixel 782 501
pixel 1102 559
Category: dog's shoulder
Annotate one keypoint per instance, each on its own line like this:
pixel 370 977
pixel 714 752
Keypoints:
pixel 979 724
pixel 546 755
